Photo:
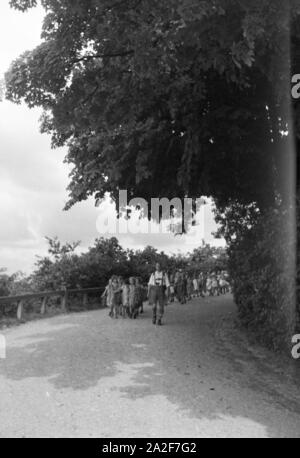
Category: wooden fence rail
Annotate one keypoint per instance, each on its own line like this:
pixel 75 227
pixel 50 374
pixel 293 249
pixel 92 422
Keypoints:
pixel 20 300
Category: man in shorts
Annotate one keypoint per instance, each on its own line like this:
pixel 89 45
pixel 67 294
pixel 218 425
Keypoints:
pixel 158 287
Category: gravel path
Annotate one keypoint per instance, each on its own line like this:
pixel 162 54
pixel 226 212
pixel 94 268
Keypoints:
pixel 85 375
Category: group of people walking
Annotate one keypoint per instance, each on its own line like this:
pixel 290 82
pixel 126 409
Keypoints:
pixel 186 286
pixel 126 297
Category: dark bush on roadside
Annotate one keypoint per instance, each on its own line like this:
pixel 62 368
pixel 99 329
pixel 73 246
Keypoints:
pixel 261 265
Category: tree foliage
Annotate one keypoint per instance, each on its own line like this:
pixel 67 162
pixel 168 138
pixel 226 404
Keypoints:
pixel 14 284
pixel 106 257
pixel 162 98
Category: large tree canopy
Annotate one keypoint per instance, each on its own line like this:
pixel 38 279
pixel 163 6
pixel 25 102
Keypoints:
pixel 175 98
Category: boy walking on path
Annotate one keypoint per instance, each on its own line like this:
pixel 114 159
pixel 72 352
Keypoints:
pixel 157 288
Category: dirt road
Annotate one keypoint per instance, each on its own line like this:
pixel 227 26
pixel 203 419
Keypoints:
pixel 85 375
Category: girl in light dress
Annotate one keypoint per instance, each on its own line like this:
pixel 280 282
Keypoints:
pixel 125 299
pixel 114 294
pixel 209 285
pixel 195 287
pixel 214 284
pixel 107 296
pixel 133 298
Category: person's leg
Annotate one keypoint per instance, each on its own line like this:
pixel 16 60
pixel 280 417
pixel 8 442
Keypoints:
pixel 161 306
pixel 154 296
pixel 154 312
pixel 136 311
pixel 141 307
pixel 175 298
pixel 179 294
pixel 161 312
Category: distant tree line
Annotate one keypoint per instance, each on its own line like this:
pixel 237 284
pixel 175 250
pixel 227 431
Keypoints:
pixel 64 268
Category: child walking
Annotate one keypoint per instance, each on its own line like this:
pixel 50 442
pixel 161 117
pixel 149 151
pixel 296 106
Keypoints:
pixel 125 299
pixel 132 297
pixel 195 286
pixel 139 295
pixel 107 295
pixel 209 286
pixel 115 298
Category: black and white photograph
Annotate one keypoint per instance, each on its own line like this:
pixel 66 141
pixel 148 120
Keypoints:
pixel 149 201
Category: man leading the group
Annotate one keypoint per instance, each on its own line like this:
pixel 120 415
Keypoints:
pixel 158 288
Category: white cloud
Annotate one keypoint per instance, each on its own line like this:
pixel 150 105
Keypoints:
pixel 18 32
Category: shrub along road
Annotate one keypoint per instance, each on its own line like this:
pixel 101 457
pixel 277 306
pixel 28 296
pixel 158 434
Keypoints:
pixel 85 375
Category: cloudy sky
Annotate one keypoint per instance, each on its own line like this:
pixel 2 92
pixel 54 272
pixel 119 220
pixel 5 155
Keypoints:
pixel 33 178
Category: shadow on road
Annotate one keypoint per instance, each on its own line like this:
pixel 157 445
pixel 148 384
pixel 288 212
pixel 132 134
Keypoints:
pixel 189 372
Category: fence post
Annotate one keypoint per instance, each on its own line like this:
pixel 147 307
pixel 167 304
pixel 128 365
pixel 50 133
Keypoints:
pixel 44 306
pixel 20 310
pixel 64 301
pixel 85 300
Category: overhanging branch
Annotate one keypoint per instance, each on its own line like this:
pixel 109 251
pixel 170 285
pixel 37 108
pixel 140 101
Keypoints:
pixel 103 56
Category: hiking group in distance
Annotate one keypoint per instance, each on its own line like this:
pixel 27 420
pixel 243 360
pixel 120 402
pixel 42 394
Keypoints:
pixel 126 297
